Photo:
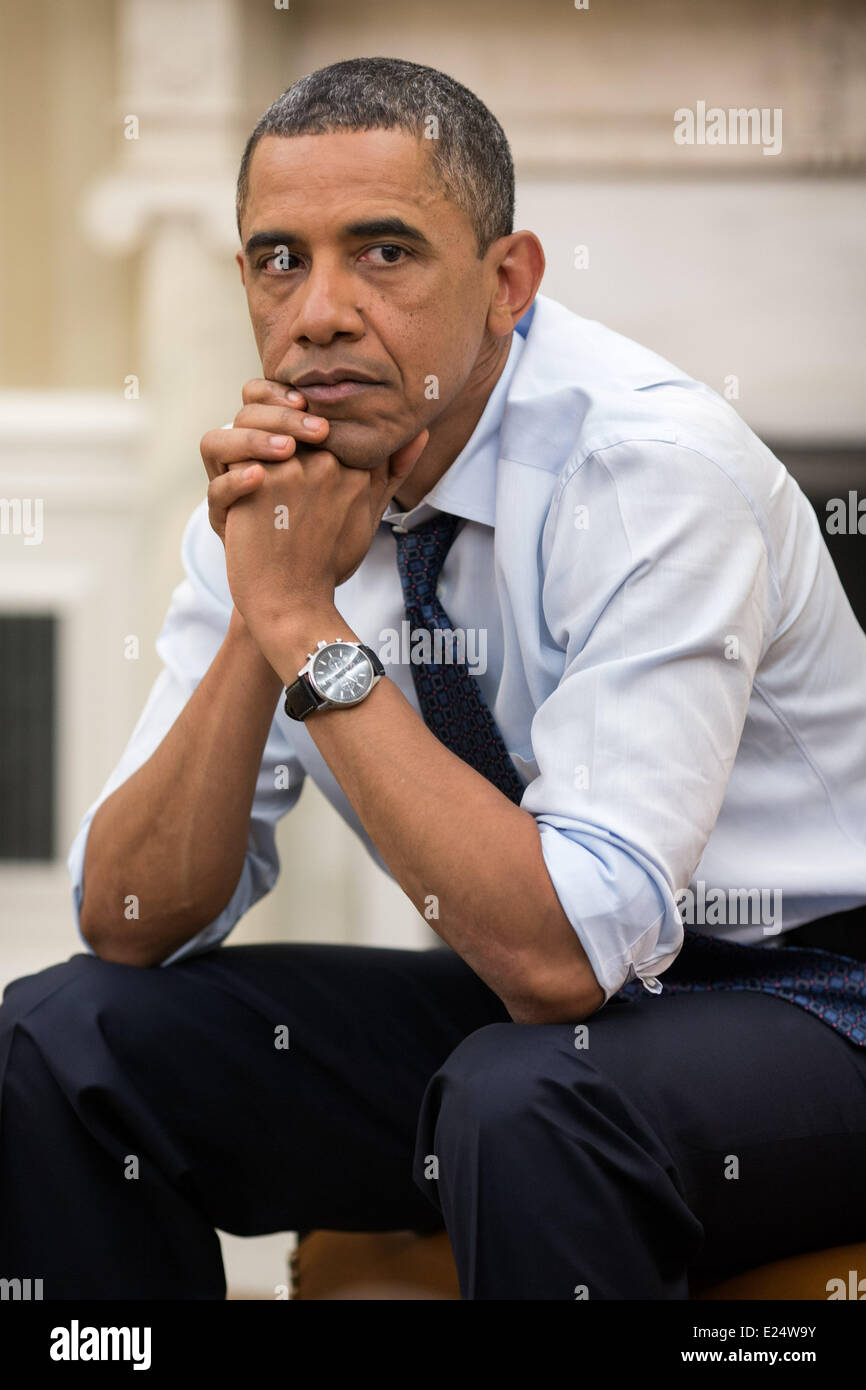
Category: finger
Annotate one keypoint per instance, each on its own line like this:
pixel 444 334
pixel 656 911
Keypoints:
pixel 262 391
pixel 226 489
pixel 221 448
pixel 282 419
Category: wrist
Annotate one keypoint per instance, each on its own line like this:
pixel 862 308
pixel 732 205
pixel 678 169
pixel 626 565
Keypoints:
pixel 241 640
pixel 238 632
pixel 294 636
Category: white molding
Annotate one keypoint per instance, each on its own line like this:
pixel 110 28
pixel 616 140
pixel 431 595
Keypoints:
pixel 32 588
pixel 36 417
pixel 88 493
pixel 117 213
pixel 81 452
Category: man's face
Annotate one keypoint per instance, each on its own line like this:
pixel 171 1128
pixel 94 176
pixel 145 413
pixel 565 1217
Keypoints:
pixel 382 279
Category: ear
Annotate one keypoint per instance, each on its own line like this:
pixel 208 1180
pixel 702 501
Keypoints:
pixel 239 257
pixel 518 264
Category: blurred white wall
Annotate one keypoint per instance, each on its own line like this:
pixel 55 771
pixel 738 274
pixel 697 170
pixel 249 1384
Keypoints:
pixel 725 278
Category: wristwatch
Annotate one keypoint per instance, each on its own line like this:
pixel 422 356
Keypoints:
pixel 337 674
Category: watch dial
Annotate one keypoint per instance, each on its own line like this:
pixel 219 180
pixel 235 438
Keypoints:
pixel 342 673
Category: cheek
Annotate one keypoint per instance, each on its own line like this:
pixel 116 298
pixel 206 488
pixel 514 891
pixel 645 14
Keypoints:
pixel 436 335
pixel 440 360
pixel 270 331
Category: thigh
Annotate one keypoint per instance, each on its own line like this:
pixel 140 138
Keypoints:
pixel 278 1085
pixel 762 1108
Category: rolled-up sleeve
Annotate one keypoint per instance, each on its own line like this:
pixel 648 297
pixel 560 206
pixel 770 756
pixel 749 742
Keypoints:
pixel 191 635
pixel 657 587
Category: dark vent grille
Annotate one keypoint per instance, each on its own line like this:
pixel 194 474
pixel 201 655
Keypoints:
pixel 27 736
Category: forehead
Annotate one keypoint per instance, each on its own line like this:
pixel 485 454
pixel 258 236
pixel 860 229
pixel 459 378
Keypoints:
pixel 340 175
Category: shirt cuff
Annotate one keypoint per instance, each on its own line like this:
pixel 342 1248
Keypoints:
pixel 625 916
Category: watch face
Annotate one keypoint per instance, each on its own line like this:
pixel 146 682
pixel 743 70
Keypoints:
pixel 342 673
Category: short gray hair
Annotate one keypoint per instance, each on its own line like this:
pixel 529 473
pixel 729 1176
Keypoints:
pixel 469 150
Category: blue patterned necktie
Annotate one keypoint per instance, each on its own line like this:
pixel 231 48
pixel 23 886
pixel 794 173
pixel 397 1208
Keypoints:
pixel 831 987
pixel 449 696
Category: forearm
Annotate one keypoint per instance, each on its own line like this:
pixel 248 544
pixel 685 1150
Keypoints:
pixel 174 835
pixel 467 857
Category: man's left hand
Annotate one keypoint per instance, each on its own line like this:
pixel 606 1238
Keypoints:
pixel 304 530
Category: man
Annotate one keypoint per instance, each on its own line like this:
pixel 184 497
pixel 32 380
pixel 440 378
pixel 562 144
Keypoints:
pixel 669 712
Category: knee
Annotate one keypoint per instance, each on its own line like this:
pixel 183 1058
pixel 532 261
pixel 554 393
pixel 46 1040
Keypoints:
pixel 498 1077
pixel 53 1003
pixel 30 992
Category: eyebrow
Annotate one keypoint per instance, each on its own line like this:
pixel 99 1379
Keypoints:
pixel 378 227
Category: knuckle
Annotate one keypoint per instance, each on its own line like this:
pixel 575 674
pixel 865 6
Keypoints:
pixel 222 488
pixel 267 419
pixel 252 390
pixel 248 416
pixel 327 461
pixel 261 391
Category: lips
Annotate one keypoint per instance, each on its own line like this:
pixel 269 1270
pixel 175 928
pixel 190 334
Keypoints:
pixel 336 391
pixel 335 375
pixel 336 385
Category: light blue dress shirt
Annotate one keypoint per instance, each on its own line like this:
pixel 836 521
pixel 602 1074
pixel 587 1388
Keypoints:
pixel 670 657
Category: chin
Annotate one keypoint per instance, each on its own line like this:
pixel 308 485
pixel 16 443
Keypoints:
pixel 359 445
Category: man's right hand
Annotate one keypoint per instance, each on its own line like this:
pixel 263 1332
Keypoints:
pixel 232 456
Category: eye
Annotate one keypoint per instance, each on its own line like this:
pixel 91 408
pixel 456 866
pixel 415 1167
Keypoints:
pixel 391 253
pixel 279 262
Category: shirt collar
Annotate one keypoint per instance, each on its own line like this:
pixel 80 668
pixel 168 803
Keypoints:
pixel 468 487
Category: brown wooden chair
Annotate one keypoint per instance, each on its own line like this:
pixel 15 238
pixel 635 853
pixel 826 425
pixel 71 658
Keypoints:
pixel 400 1265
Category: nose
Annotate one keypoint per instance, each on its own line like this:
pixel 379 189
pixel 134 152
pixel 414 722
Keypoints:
pixel 327 305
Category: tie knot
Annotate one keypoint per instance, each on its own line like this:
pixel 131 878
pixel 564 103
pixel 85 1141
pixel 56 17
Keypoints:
pixel 421 554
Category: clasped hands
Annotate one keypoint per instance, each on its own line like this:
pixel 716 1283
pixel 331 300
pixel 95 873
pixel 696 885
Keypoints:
pixel 295 522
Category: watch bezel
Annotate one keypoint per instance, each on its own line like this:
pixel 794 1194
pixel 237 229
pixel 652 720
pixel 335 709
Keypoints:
pixel 320 693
